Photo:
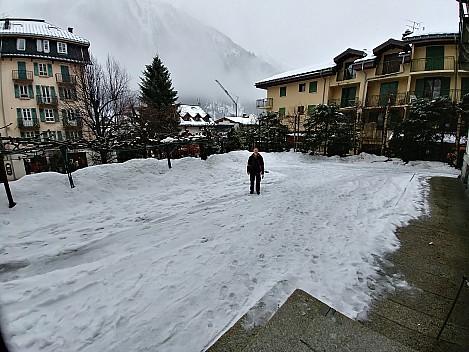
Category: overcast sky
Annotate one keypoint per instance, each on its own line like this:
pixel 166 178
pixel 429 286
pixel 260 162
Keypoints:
pixel 293 33
pixel 299 33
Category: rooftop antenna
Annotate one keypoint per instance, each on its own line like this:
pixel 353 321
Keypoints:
pixel 414 26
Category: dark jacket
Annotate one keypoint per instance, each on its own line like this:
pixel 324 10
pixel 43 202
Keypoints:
pixel 256 165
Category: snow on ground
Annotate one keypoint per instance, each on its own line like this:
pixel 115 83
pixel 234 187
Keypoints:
pixel 139 257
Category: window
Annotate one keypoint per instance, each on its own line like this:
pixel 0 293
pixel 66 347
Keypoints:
pixel 73 134
pixel 39 45
pixel 69 94
pixel 283 91
pixel 281 113
pixel 302 87
pixel 61 48
pixel 301 110
pixel 313 87
pixel 29 134
pixel 310 109
pixel 21 44
pixel 349 72
pixel 27 117
pixel 348 97
pixel 49 115
pixel 42 69
pixel 52 135
pixel 45 92
pixel 24 91
pixel 432 87
pixel 45 46
pixel 435 58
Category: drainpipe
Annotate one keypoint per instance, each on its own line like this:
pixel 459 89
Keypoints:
pixel 4 122
pixel 324 87
pixel 458 125
pixel 359 117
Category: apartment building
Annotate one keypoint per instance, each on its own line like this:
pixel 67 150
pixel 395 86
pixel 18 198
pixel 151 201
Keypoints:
pixel 378 87
pixel 38 66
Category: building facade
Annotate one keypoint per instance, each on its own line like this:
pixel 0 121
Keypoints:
pixel 38 67
pixel 377 87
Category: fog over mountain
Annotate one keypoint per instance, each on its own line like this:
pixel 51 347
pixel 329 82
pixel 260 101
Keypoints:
pixel 134 31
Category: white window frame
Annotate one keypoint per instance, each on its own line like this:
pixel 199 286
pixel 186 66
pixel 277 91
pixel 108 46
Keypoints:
pixel 52 135
pixel 46 46
pixel 67 93
pixel 49 115
pixel 23 90
pixel 29 134
pixel 27 116
pixel 39 45
pixel 21 44
pixel 42 69
pixel 45 93
pixel 61 48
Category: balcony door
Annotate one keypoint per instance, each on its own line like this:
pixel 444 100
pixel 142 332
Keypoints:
pixel 348 97
pixel 435 58
pixel 387 91
pixel 21 70
pixel 391 63
pixel 432 87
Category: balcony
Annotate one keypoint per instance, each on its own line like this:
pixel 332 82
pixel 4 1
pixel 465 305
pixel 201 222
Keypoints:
pixel 388 67
pixel 266 103
pixel 453 94
pixel 28 124
pixel 66 78
pixel 72 123
pixel 347 74
pixel 22 75
pixel 344 102
pixel 43 100
pixel 381 100
pixel 433 64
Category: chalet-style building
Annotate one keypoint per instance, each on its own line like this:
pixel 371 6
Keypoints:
pixel 38 87
pixel 193 120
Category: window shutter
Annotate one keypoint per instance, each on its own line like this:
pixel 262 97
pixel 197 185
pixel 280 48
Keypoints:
pixel 281 112
pixel 36 69
pixel 64 116
pixel 42 115
pixel 44 135
pixel 310 109
pixel 31 91
pixel 73 93
pixel 56 115
pixel 61 93
pixel 49 70
pixel 464 86
pixel 22 135
pixel 38 90
pixel 19 115
pixel 52 93
pixel 59 135
pixel 419 87
pixel 445 84
pixel 313 87
pixel 17 91
pixel 80 134
pixel 34 114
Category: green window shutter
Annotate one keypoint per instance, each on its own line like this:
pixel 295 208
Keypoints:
pixel 419 87
pixel 52 93
pixel 310 109
pixel 49 70
pixel 435 58
pixel 313 87
pixel 56 115
pixel 445 84
pixel 59 135
pixel 36 69
pixel 80 134
pixel 34 114
pixel 283 91
pixel 385 90
pixel 21 69
pixel 73 93
pixel 464 86
pixel 61 93
pixel 44 135
pixel 42 115
pixel 38 90
pixel 22 135
pixel 17 91
pixel 281 112
pixel 64 116
pixel 19 115
pixel 31 91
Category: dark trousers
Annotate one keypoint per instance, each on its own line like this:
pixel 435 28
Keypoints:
pixel 256 177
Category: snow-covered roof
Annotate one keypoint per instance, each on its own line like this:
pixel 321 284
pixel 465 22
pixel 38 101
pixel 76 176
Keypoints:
pixel 192 110
pixel 33 27
pixel 300 72
pixel 242 120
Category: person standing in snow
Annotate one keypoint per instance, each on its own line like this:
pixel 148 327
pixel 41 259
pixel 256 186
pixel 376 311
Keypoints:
pixel 255 170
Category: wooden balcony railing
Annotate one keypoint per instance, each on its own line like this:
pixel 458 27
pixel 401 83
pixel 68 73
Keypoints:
pixel 432 64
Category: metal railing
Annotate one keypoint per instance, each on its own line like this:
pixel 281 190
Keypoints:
pixel 66 78
pixel 46 100
pixel 76 122
pixel 432 64
pixel 344 103
pixel 33 123
pixel 385 68
pixel 345 75
pixel 266 103
pixel 453 94
pixel 22 75
pixel 380 100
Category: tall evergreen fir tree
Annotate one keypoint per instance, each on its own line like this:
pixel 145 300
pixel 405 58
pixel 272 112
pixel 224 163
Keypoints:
pixel 157 117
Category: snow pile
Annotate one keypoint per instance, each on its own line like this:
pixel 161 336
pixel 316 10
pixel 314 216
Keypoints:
pixel 142 257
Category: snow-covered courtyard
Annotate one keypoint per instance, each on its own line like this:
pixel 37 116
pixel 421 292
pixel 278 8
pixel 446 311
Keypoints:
pixel 139 257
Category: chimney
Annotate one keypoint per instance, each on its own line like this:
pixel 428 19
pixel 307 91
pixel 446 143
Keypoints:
pixel 6 25
pixel 70 29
